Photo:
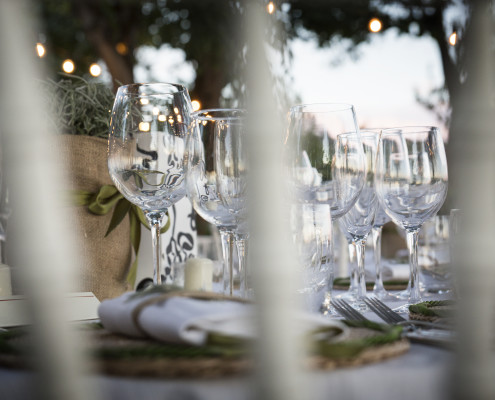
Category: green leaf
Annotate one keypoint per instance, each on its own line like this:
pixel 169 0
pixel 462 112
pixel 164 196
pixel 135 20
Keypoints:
pixel 120 211
pixel 105 199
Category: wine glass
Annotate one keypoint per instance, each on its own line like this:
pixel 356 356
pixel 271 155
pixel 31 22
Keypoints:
pixel 411 182
pixel 231 168
pixel 317 171
pixel 146 150
pixel 381 218
pixel 351 293
pixel 358 221
pixel 201 180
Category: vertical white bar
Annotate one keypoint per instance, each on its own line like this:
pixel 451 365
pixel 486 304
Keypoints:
pixel 43 246
pixel 279 376
pixel 472 173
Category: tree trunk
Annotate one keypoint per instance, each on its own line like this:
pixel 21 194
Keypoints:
pixel 94 25
pixel 208 85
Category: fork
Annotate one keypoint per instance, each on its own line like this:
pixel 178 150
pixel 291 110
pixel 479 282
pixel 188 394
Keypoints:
pixel 434 337
pixel 346 310
pixel 391 317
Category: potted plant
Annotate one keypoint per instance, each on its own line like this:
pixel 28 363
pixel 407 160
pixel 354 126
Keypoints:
pixel 98 211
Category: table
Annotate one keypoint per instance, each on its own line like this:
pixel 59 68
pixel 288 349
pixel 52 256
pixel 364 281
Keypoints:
pixel 422 373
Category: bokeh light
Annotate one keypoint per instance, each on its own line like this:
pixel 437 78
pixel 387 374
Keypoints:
pixel 121 48
pixel 196 105
pixel 40 49
pixel 68 66
pixel 453 39
pixel 375 25
pixel 270 7
pixel 95 70
pixel 144 126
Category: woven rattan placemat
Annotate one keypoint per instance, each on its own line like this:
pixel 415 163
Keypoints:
pixel 121 356
pixel 433 311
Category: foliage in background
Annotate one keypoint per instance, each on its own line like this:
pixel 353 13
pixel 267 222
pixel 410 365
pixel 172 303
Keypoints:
pixel 80 107
pixel 210 32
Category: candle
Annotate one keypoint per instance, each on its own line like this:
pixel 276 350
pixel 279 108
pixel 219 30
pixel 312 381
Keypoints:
pixel 198 274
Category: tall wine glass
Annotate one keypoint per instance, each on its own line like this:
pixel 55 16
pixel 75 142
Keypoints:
pixel 231 167
pixel 358 221
pixel 411 183
pixel 381 218
pixel 201 180
pixel 317 172
pixel 146 150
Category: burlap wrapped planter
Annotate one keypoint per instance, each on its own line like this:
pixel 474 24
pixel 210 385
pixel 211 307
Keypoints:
pixel 105 260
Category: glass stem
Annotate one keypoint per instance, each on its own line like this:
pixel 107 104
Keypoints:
pixel 353 268
pixel 412 245
pixel 242 251
pixel 155 220
pixel 377 252
pixel 227 239
pixel 360 252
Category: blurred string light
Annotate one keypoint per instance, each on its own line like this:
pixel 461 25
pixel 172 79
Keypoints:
pixel 453 39
pixel 144 126
pixel 375 25
pixel 68 66
pixel 95 70
pixel 40 49
pixel 196 105
pixel 121 48
pixel 270 7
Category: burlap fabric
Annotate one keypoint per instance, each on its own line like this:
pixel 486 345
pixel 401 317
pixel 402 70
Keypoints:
pixel 105 260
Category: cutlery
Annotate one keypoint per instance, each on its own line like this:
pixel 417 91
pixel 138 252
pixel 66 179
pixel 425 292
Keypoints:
pixel 434 337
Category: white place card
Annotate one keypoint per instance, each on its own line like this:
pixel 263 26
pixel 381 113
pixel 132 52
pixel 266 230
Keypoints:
pixel 83 306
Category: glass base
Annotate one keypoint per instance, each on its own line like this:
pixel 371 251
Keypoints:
pixel 402 295
pixel 326 308
pixel 404 309
pixel 383 295
pixel 349 296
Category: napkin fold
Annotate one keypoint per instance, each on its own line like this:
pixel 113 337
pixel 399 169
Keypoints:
pixel 188 320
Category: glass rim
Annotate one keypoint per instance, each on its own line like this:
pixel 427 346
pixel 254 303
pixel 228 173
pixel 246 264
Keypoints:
pixel 198 114
pixel 406 130
pixel 321 107
pixel 174 88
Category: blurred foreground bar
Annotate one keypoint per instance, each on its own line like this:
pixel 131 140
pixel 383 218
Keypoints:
pixel 472 174
pixel 279 376
pixel 43 247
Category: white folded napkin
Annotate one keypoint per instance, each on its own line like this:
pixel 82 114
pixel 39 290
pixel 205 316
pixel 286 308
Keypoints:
pixel 189 320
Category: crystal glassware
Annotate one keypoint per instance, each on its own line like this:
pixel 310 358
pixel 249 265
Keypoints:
pixel 411 182
pixel 381 218
pixel 358 221
pixel 317 169
pixel 146 150
pixel 351 293
pixel 231 168
pixel 202 183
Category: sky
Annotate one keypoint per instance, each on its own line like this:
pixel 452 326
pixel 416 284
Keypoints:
pixel 381 83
